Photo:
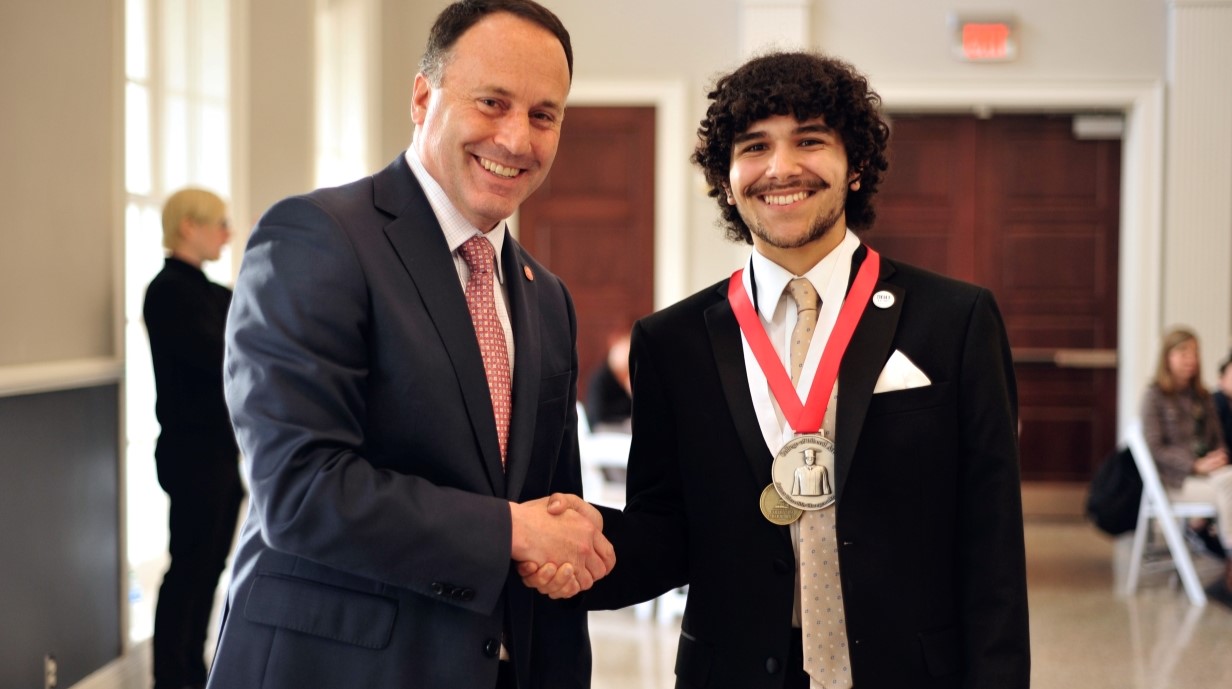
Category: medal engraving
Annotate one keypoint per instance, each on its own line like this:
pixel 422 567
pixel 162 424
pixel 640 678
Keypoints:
pixel 775 510
pixel 803 472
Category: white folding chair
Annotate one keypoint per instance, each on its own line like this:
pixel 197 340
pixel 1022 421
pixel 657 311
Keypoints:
pixel 1169 515
pixel 602 454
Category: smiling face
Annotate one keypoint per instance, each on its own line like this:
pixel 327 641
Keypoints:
pixel 488 132
pixel 789 181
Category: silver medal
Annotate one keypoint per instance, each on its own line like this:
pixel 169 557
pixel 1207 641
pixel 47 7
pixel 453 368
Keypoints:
pixel 803 472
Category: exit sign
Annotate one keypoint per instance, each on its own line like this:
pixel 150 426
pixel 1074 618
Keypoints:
pixel 983 39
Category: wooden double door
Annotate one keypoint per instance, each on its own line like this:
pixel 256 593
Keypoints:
pixel 1019 205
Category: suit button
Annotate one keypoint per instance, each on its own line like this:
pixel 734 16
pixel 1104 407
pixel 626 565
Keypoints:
pixel 438 588
pixel 491 648
pixel 466 595
pixel 772 665
pixel 781 567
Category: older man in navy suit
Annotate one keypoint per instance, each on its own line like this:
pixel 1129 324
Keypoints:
pixel 402 375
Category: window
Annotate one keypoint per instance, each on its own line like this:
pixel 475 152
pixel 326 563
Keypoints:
pixel 346 62
pixel 177 133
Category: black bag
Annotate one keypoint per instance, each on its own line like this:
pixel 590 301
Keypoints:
pixel 1116 492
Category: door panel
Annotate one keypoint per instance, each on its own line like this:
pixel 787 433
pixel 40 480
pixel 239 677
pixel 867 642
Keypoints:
pixel 1032 214
pixel 926 206
pixel 592 222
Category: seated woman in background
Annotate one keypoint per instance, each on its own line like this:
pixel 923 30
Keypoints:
pixel 609 405
pixel 1182 430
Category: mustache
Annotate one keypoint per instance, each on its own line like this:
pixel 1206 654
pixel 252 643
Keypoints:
pixel 816 184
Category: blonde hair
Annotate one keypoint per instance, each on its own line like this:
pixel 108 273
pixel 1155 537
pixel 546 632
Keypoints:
pixel 1163 374
pixel 197 205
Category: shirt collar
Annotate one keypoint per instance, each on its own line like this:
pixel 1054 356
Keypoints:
pixel 829 276
pixel 457 229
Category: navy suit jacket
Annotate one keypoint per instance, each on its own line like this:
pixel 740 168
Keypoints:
pixel 929 509
pixel 376 551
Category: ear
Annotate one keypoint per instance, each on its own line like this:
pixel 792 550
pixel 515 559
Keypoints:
pixel 853 180
pixel 188 228
pixel 731 200
pixel 420 95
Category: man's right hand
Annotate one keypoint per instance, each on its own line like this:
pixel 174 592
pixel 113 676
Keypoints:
pixel 560 540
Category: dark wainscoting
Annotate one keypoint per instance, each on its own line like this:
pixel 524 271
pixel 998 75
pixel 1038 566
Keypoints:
pixel 59 534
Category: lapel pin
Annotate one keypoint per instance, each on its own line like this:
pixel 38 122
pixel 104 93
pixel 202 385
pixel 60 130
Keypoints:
pixel 530 274
pixel 883 299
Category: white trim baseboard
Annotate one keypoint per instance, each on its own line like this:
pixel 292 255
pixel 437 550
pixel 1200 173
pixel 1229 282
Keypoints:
pixel 28 379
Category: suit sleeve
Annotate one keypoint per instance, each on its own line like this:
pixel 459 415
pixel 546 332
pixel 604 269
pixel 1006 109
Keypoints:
pixel 298 362
pixel 991 548
pixel 650 536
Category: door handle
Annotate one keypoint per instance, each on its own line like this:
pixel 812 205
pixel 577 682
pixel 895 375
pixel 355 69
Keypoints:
pixel 1066 358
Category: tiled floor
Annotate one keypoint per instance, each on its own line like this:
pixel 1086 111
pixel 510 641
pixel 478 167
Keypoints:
pixel 1084 635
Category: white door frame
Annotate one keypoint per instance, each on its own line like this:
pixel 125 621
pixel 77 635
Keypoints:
pixel 1142 162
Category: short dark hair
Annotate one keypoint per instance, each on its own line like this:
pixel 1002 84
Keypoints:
pixel 804 85
pixel 456 19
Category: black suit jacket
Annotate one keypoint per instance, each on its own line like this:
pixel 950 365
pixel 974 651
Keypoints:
pixel 376 552
pixel 929 509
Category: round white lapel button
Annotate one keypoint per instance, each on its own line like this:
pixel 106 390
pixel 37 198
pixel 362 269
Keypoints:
pixel 883 299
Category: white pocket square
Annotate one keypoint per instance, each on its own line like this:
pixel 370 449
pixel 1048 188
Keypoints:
pixel 900 374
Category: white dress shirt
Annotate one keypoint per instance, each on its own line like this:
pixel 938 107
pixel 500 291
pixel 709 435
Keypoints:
pixel 457 232
pixel 778 317
pixel 777 313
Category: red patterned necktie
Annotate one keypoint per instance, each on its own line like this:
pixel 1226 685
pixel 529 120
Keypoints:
pixel 481 300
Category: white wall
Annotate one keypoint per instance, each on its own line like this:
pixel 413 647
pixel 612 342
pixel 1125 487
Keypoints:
pixel 1071 39
pixel 60 183
pixel 689 42
pixel 281 156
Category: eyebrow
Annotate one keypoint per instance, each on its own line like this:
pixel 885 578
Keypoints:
pixel 506 93
pixel 807 128
pixel 814 128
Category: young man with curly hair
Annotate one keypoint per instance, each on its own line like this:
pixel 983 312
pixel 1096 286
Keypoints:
pixel 910 571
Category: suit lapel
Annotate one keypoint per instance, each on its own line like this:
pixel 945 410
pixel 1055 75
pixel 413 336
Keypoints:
pixel 729 356
pixel 861 366
pixel 420 244
pixel 524 313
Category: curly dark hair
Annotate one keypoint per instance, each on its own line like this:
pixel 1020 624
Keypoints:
pixel 804 85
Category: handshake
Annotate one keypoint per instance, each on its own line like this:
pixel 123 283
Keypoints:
pixel 559 545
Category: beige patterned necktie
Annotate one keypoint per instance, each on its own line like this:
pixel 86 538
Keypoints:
pixel 823 624
pixel 479 256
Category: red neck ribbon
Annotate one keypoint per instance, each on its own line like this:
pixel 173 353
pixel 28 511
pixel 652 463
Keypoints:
pixel 805 418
